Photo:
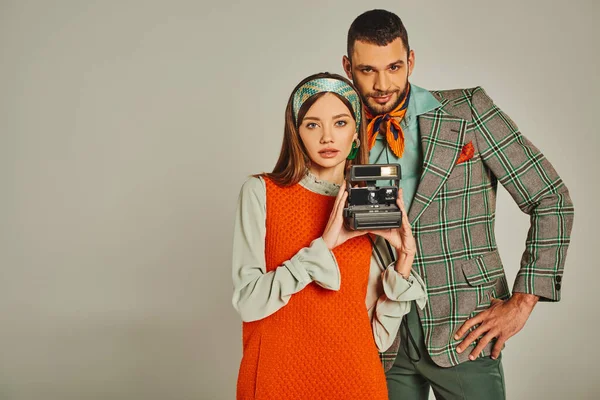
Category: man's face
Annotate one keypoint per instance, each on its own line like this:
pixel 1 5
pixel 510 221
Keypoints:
pixel 380 73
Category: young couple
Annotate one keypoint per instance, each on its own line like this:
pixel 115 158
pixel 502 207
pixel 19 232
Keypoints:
pixel 330 313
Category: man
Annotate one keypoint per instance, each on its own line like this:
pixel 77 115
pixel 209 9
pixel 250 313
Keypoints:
pixel 454 147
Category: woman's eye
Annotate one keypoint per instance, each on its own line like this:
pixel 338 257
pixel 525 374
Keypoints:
pixel 311 125
pixel 341 123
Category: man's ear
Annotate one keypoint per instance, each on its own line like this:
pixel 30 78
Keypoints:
pixel 347 65
pixel 411 62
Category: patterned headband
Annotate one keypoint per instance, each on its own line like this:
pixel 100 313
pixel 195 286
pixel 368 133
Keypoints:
pixel 332 85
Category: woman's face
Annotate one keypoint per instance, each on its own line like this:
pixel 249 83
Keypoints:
pixel 327 132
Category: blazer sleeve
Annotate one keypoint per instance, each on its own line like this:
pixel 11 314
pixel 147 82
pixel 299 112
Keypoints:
pixel 537 189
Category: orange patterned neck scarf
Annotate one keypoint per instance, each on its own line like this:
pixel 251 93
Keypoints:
pixel 387 123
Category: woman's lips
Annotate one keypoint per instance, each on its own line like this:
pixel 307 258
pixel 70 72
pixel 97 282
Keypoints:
pixel 328 153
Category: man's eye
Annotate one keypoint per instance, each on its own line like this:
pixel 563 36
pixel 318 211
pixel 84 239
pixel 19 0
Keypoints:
pixel 366 70
pixel 395 67
pixel 341 123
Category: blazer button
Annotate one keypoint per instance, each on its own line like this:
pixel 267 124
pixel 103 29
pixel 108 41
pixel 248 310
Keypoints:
pixel 558 278
pixel 557 286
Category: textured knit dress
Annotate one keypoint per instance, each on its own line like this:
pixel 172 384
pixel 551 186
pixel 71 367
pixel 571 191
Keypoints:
pixel 320 345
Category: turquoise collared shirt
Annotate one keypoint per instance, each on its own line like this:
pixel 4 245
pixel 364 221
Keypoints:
pixel 421 101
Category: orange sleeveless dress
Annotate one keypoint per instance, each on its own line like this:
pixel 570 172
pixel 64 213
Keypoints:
pixel 320 345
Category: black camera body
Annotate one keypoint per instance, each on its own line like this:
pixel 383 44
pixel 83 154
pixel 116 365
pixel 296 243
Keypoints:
pixel 371 206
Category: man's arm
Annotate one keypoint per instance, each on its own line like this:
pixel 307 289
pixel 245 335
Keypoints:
pixel 539 192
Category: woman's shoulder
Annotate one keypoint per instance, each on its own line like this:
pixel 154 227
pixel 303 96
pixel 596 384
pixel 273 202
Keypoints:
pixel 262 183
pixel 255 184
pixel 253 194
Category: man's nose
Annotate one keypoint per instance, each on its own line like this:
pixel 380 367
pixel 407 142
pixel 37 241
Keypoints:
pixel 381 82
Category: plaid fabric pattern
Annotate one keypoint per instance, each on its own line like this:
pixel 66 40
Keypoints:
pixel 453 215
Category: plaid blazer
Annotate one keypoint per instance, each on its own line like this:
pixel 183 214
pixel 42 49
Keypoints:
pixel 453 215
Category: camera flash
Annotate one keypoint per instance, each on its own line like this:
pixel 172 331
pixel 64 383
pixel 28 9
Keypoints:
pixel 389 171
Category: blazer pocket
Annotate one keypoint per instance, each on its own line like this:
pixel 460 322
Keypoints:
pixel 460 171
pixel 482 274
pixel 483 269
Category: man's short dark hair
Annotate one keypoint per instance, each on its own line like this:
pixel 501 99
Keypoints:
pixel 379 27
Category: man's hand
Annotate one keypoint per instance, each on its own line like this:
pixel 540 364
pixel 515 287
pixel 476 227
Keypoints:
pixel 502 320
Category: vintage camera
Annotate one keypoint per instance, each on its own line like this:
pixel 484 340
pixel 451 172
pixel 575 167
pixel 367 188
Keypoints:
pixel 370 206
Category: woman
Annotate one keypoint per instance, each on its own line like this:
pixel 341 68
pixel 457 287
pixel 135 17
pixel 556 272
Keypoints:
pixel 300 277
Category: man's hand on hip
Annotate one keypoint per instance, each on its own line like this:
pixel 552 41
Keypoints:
pixel 502 320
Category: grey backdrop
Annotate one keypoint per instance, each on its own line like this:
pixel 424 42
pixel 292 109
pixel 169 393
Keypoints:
pixel 127 128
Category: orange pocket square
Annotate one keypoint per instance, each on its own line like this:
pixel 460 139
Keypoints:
pixel 466 153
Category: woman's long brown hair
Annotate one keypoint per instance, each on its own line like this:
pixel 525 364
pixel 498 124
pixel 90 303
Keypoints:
pixel 293 159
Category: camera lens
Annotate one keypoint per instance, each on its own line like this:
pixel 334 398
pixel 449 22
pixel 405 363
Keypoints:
pixel 373 198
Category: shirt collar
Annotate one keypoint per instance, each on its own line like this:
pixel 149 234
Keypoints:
pixel 316 185
pixel 421 101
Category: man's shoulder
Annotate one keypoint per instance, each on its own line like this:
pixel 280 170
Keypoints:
pixel 457 94
pixel 461 102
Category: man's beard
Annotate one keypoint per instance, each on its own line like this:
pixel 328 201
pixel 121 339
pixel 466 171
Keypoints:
pixel 387 108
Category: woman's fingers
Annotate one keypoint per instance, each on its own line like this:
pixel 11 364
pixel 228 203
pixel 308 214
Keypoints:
pixel 336 219
pixel 339 199
pixel 400 201
pixel 342 189
pixel 355 233
pixel 340 207
pixel 405 223
pixel 406 236
pixel 334 210
pixel 384 233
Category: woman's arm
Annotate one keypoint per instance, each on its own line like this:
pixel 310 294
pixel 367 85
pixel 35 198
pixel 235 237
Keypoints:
pixel 389 297
pixel 400 285
pixel 394 303
pixel 258 293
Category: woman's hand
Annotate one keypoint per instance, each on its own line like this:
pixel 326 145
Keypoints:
pixel 336 232
pixel 402 240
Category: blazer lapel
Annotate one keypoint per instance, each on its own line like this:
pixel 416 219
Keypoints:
pixel 442 137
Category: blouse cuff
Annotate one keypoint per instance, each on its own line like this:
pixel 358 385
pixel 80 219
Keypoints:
pixel 399 293
pixel 316 263
pixel 397 288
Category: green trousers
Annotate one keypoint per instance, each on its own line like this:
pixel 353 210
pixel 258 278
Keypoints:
pixel 414 372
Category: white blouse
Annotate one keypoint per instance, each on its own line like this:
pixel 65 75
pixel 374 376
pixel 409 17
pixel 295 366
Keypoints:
pixel 258 293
